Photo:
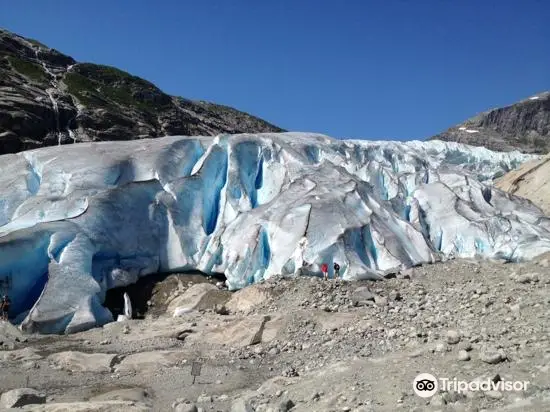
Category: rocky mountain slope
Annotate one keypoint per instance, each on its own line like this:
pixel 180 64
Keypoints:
pixel 523 126
pixel 531 181
pixel 47 98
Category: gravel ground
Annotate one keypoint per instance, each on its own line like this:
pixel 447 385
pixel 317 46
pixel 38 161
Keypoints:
pixel 304 344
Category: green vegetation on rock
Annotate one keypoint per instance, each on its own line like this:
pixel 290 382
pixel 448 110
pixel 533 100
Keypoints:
pixel 84 90
pixel 108 74
pixel 97 85
pixel 32 71
pixel 37 43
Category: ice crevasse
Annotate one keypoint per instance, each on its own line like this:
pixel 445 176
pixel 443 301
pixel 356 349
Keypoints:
pixel 78 220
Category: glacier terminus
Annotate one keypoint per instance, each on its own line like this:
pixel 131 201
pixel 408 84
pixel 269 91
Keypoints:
pixel 78 220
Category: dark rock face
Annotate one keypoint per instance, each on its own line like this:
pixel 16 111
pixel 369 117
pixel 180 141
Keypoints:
pixel 47 98
pixel 523 126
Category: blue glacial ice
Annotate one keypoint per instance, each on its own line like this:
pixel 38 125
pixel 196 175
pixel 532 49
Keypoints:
pixel 78 220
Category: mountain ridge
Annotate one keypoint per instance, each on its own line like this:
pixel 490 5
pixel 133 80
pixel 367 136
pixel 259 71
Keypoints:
pixel 48 98
pixel 524 126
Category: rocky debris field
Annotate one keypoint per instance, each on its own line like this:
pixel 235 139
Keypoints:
pixel 303 344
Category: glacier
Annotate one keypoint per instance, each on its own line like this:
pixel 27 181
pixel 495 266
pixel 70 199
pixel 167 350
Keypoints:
pixel 78 220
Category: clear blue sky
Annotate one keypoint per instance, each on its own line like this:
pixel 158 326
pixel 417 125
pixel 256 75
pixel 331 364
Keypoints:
pixel 347 68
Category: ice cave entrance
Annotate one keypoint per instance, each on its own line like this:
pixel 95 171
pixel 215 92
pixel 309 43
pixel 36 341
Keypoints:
pixel 150 294
pixel 22 303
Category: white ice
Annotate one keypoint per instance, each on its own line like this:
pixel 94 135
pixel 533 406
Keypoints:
pixel 80 219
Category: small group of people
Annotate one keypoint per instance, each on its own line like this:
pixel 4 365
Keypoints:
pixel 324 269
pixel 5 307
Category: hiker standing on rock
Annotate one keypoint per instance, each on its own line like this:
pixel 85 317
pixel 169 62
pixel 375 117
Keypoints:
pixel 324 269
pixel 5 307
pixel 336 271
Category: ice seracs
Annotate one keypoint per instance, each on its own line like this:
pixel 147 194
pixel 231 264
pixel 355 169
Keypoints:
pixel 78 220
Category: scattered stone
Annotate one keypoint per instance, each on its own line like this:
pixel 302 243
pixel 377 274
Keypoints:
pixel 491 355
pixel 17 398
pixel 131 394
pixel 437 400
pixel 380 301
pixel 179 401
pixel 463 355
pixel 186 407
pixel 103 406
pixel 440 347
pixel 221 310
pixel 452 337
pixel 240 405
pixel 204 398
pixel 181 311
pixel 493 394
pixel 290 373
pixel 406 273
pixel 361 296
pixel 286 405
pixel 527 278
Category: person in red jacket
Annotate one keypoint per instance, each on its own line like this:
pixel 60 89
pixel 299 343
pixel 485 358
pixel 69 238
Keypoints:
pixel 324 269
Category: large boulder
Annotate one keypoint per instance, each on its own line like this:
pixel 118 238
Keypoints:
pixel 531 181
pixel 25 354
pixel 151 361
pixel 83 362
pixel 201 296
pixel 9 333
pixel 329 321
pixel 237 333
pixel 248 298
pixel 21 397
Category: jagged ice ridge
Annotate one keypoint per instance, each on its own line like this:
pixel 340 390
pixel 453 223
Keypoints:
pixel 78 220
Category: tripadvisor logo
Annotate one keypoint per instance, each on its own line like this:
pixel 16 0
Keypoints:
pixel 426 385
